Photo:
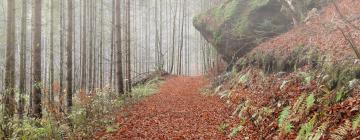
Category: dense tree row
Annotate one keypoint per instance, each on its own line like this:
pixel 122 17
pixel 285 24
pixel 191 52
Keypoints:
pixel 58 48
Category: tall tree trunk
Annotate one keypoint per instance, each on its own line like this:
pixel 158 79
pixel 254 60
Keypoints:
pixel 36 60
pixel 112 44
pixel 180 53
pixel 161 55
pixel 90 68
pixel 101 56
pixel 167 28
pixel 182 39
pixel 147 47
pixel 188 41
pixel 22 82
pixel 94 38
pixel 84 51
pixel 31 79
pixel 173 39
pixel 128 64
pixel 61 94
pixel 51 93
pixel 9 97
pixel 69 56
pixel 118 45
pixel 79 74
pixel 74 49
pixel 156 35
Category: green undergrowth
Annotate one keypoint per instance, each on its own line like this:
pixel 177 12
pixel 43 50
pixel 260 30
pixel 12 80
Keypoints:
pixel 90 113
pixel 225 12
pixel 325 83
pixel 146 89
pixel 334 75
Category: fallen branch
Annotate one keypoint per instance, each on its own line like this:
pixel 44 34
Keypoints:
pixel 147 76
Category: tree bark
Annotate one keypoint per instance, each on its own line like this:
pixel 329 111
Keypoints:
pixel 101 56
pixel 61 92
pixel 118 45
pixel 22 82
pixel 112 45
pixel 90 68
pixel 69 56
pixel 181 46
pixel 37 83
pixel 51 93
pixel 128 64
pixel 9 97
pixel 173 39
pixel 84 49
pixel 94 39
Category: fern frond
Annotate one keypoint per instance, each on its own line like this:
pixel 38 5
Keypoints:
pixel 306 129
pixel 336 137
pixel 320 131
pixel 341 132
pixel 235 131
pixel 284 115
pixel 284 123
pixel 310 101
pixel 298 103
pixel 356 122
pixel 302 111
pixel 288 127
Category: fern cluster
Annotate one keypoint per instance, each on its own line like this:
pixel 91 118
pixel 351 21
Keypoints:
pixel 310 101
pixel 320 131
pixel 341 95
pixel 37 129
pixel 298 103
pixel 356 122
pixel 342 132
pixel 306 129
pixel 284 123
pixel 235 131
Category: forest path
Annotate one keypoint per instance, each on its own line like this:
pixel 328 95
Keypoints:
pixel 177 111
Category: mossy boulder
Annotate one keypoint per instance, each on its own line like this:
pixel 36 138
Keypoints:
pixel 237 26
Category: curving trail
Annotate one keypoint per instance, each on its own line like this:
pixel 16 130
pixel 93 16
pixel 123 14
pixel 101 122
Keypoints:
pixel 177 111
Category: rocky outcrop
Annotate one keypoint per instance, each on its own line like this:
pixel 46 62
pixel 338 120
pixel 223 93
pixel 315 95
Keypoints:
pixel 237 26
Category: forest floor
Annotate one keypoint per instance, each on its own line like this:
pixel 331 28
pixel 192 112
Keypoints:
pixel 177 111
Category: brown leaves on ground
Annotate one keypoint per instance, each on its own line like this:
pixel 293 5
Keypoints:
pixel 320 32
pixel 177 111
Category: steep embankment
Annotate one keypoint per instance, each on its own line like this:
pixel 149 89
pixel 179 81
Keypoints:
pixel 303 84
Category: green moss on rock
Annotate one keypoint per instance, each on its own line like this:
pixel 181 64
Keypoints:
pixel 237 26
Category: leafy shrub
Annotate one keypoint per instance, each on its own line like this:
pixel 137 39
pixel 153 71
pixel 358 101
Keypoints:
pixel 146 89
pixel 89 111
pixel 32 129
